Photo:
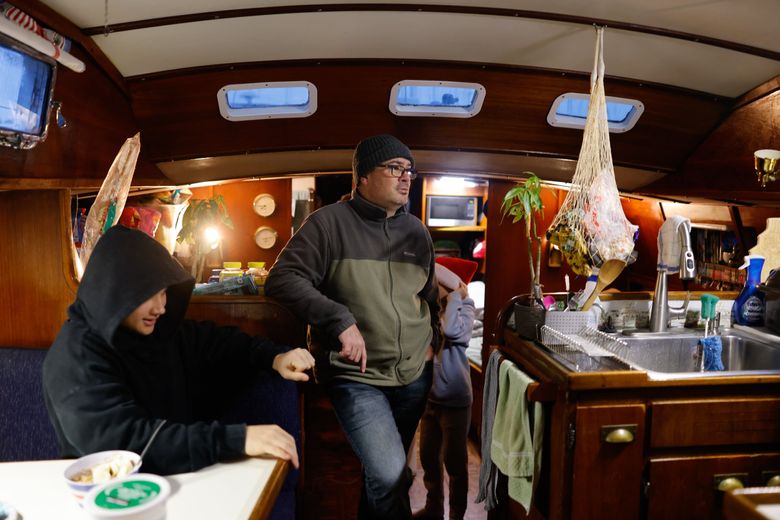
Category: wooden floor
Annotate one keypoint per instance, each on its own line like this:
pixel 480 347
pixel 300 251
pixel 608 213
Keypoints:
pixel 332 477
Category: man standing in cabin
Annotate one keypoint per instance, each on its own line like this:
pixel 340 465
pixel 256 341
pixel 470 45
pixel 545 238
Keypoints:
pixel 361 272
pixel 127 364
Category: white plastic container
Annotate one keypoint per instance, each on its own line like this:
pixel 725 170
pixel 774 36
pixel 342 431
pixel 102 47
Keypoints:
pixel 133 497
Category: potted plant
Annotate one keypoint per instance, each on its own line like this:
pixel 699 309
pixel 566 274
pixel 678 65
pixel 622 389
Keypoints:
pixel 524 202
pixel 202 214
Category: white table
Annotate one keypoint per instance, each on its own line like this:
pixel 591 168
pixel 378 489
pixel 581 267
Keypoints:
pixel 245 489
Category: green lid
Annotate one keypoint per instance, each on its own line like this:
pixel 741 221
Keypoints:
pixel 127 494
pixel 256 265
pixel 231 265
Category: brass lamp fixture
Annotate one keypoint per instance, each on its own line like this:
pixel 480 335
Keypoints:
pixel 766 165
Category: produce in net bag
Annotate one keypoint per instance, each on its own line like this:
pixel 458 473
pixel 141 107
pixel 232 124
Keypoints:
pixel 110 200
pixel 591 227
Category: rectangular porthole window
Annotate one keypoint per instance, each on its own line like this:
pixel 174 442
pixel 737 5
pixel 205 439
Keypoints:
pixel 436 99
pixel 570 110
pixel 267 100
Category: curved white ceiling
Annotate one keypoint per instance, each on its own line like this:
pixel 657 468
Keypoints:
pixel 452 36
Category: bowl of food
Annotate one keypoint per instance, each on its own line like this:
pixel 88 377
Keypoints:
pixel 98 468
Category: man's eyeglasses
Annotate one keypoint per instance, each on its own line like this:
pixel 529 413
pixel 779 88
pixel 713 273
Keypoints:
pixel 396 170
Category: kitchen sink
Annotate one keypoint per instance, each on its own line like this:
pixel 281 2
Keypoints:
pixel 673 354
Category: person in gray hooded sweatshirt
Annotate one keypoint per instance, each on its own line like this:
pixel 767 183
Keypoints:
pixel 126 362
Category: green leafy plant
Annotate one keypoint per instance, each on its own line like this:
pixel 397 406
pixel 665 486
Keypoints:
pixel 199 216
pixel 524 202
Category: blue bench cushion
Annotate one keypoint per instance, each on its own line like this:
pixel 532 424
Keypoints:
pixel 25 430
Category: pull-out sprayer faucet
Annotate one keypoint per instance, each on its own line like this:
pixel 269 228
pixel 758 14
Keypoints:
pixel 661 311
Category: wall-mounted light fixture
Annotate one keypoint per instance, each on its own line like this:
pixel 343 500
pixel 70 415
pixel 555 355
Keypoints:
pixel 766 165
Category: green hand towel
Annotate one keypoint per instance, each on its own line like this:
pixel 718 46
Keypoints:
pixel 514 449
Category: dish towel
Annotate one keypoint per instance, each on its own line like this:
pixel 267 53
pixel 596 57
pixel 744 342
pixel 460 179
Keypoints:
pixel 670 243
pixel 516 447
pixel 488 478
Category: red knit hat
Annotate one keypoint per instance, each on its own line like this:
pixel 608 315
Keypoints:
pixel 465 269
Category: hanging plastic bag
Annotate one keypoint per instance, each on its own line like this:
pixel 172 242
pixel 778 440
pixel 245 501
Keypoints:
pixel 591 227
pixel 110 200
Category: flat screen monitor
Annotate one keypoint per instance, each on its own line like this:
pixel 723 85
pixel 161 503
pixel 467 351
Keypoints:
pixel 25 93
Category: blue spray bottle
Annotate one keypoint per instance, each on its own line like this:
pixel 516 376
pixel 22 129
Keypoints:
pixel 748 308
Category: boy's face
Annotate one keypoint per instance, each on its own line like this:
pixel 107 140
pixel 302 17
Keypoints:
pixel 143 319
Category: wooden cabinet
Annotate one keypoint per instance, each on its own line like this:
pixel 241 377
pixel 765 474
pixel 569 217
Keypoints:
pixel 608 461
pixel 693 487
pixel 622 446
pixel 719 430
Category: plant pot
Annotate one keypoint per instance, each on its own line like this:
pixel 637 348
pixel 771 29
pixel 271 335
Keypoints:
pixel 529 318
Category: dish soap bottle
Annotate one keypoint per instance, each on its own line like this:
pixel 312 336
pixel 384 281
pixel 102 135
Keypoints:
pixel 748 308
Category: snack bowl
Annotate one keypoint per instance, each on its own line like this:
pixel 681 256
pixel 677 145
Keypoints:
pixel 98 468
pixel 140 496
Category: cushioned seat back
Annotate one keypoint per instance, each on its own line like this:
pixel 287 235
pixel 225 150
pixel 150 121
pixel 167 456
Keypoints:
pixel 25 430
pixel 270 399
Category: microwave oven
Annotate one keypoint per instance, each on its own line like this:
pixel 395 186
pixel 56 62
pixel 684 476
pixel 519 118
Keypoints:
pixel 452 210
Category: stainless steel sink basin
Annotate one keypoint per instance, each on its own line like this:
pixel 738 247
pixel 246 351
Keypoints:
pixel 664 355
pixel 679 353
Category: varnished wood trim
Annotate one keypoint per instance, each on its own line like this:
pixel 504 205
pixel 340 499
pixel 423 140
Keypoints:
pixel 68 249
pixel 30 183
pixel 265 503
pixel 62 25
pixel 427 8
pixel 757 93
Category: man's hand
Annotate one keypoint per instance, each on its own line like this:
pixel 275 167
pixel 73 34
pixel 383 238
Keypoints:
pixel 353 346
pixel 269 440
pixel 293 364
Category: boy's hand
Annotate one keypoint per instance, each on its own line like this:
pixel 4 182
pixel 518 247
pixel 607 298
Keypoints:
pixel 293 364
pixel 269 440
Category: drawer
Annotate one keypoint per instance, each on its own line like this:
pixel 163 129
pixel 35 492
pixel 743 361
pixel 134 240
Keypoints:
pixel 687 487
pixel 714 422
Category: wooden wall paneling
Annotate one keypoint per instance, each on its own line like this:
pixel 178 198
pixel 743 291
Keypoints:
pixel 641 275
pixel 99 120
pixel 38 281
pixel 179 116
pixel 239 244
pixel 722 166
pixel 506 272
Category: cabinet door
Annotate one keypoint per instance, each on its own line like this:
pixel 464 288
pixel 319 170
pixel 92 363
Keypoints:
pixel 607 481
pixel 687 487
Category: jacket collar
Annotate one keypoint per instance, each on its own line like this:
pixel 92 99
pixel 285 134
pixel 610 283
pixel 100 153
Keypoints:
pixel 371 211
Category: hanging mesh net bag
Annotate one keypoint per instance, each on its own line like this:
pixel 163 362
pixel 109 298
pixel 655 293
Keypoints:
pixel 591 227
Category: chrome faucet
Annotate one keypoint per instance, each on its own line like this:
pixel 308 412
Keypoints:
pixel 661 312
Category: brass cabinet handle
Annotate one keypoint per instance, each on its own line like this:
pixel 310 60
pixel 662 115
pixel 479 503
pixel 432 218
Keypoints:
pixel 618 433
pixel 728 482
pixel 773 481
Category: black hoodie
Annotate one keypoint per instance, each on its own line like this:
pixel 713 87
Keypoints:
pixel 107 387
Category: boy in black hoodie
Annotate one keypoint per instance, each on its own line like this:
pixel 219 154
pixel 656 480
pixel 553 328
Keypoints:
pixel 126 360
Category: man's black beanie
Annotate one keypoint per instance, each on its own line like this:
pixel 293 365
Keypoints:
pixel 373 151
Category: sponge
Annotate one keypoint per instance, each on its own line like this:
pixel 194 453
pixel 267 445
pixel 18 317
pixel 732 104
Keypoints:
pixel 713 347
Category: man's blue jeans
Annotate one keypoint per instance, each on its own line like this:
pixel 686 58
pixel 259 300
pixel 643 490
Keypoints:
pixel 380 423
